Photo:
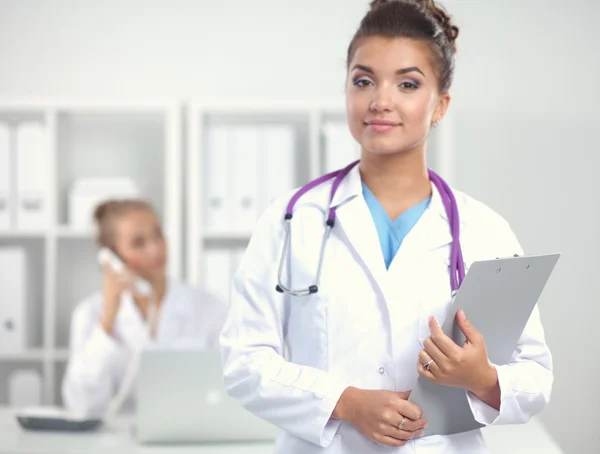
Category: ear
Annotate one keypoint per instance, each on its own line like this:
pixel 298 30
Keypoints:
pixel 442 107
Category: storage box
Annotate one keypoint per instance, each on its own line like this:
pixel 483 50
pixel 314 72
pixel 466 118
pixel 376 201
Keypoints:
pixel 87 193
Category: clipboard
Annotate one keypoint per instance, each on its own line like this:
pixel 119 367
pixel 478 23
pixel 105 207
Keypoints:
pixel 498 296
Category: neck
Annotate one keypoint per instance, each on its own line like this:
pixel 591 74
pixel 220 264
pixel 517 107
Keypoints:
pixel 397 178
pixel 159 286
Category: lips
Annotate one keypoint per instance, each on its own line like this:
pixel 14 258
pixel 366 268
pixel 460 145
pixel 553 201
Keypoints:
pixel 382 125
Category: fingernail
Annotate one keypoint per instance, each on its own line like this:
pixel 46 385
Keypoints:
pixel 421 433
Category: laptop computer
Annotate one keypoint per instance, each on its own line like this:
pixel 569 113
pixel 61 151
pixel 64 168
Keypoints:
pixel 182 399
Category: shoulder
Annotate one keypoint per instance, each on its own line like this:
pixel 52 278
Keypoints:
pixel 485 227
pixel 474 212
pixel 89 308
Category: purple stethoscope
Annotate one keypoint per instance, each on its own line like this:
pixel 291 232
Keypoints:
pixel 457 266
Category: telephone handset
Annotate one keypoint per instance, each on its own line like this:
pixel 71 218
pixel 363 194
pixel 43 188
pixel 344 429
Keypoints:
pixel 107 255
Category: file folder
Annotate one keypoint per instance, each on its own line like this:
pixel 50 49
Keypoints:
pixel 277 164
pixel 217 170
pixel 6 179
pixel 243 178
pixel 24 388
pixel 32 176
pixel 13 298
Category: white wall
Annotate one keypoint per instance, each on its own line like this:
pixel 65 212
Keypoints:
pixel 525 108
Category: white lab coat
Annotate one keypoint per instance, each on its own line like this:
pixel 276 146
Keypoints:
pixel 98 361
pixel 288 359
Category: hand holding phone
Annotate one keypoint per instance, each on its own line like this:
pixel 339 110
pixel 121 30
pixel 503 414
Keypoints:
pixel 117 278
pixel 108 257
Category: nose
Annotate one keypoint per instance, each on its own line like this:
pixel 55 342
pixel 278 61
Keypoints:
pixel 155 248
pixel 383 100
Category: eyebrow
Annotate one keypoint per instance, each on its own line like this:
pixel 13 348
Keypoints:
pixel 398 72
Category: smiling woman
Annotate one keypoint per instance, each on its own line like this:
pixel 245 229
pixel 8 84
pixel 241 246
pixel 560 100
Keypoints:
pixel 108 326
pixel 391 227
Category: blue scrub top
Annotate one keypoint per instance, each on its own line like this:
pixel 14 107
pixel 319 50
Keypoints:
pixel 391 233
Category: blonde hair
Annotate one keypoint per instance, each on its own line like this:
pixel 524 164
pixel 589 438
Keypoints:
pixel 108 212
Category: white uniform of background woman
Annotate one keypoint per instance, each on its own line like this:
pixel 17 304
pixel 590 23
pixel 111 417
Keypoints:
pixel 108 327
pixel 356 348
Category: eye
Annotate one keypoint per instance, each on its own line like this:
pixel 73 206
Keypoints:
pixel 362 82
pixel 138 243
pixel 409 86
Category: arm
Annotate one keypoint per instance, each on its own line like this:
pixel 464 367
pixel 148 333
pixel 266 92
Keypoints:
pixel 524 385
pixel 522 388
pixel 89 382
pixel 298 399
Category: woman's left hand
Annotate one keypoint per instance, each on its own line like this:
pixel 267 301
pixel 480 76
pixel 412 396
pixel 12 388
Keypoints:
pixel 466 367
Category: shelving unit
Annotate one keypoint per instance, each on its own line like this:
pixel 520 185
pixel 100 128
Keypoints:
pixel 87 138
pixel 310 120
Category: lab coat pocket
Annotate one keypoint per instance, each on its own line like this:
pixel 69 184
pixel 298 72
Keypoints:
pixel 307 330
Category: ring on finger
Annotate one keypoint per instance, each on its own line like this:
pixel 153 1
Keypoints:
pixel 402 423
pixel 426 366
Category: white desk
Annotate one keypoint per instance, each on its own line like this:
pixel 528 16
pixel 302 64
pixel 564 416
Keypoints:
pixel 522 439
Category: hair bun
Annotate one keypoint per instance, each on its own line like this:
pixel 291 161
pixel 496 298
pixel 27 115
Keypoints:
pixel 443 18
pixel 101 210
pixel 376 3
pixel 437 11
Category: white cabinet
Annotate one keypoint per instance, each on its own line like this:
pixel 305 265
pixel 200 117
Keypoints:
pixel 50 146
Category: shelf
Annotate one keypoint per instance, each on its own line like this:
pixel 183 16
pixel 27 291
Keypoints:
pixel 25 355
pixel 65 231
pixel 35 354
pixel 62 354
pixel 23 233
pixel 225 236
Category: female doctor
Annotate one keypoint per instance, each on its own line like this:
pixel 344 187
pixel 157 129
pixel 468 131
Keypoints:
pixel 109 326
pixel 333 365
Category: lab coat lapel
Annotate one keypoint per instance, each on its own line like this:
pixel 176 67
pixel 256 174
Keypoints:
pixel 431 232
pixel 355 225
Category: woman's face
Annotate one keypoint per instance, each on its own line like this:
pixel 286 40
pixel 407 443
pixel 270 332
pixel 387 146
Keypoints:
pixel 392 95
pixel 140 243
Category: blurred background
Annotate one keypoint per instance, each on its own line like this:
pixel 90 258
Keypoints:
pixel 132 96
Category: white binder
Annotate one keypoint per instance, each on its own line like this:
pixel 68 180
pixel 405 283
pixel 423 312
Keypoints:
pixel 24 388
pixel 13 297
pixel 244 154
pixel 216 172
pixel 277 164
pixel 6 179
pixel 32 176
pixel 217 273
pixel 340 147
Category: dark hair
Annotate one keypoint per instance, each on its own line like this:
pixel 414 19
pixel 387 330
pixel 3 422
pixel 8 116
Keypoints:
pixel 419 19
pixel 106 213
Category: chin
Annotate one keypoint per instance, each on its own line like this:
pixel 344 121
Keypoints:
pixel 380 148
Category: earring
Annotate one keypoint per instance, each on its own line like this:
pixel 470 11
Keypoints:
pixel 435 124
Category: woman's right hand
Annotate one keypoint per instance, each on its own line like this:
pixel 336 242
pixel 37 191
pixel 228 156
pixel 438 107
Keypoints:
pixel 377 414
pixel 114 285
